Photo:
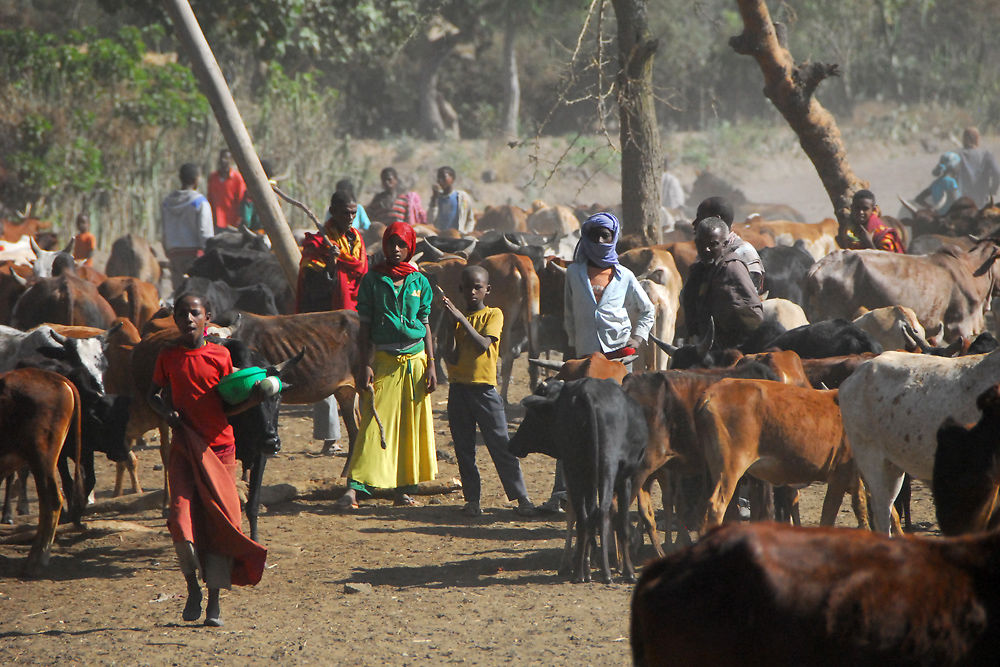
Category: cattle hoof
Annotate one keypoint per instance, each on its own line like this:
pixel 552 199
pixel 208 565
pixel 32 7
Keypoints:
pixel 8 520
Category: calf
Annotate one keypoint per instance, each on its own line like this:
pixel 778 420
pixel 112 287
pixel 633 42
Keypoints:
pixel 40 411
pixel 777 432
pixel 767 594
pixel 600 435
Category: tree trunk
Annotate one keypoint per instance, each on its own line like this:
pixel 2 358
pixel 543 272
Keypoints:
pixel 790 88
pixel 639 132
pixel 511 83
pixel 432 125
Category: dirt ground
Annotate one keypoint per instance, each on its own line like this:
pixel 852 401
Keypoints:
pixel 436 586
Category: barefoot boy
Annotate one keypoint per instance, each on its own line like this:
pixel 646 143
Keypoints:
pixel 472 396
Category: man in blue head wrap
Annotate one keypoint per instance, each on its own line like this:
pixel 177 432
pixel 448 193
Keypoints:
pixel 599 295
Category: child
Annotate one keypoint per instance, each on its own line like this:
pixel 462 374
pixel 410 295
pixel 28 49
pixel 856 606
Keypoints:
pixel 943 191
pixel 472 396
pixel 394 302
pixel 866 228
pixel 84 242
pixel 204 518
pixel 450 208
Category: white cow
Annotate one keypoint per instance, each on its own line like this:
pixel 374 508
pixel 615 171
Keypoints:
pixel 89 352
pixel 887 326
pixel 659 278
pixel 892 407
pixel 786 313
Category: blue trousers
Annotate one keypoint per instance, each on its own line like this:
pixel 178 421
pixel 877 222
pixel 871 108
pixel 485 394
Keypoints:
pixel 472 405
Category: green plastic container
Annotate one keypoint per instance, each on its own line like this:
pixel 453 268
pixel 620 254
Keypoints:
pixel 236 387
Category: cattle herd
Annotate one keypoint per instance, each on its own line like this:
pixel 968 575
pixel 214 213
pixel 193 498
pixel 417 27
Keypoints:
pixel 867 369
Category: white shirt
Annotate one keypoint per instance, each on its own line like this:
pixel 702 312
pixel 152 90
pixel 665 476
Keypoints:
pixel 604 326
pixel 672 193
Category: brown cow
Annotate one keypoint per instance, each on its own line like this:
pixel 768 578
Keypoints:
pixel 819 237
pixel 131 298
pixel 65 299
pixel 777 432
pixel 13 283
pixel 767 594
pixel 132 255
pixel 504 218
pixel 40 411
pixel 548 220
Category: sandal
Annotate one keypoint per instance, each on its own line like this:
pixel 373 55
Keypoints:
pixel 345 503
pixel 405 501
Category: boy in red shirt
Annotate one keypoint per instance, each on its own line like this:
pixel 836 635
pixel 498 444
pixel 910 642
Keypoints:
pixel 226 190
pixel 204 519
pixel 84 242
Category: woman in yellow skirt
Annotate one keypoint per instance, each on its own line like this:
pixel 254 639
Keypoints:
pixel 394 303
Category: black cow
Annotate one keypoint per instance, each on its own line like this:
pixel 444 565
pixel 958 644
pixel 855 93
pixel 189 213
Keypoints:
pixel 242 268
pixel 256 429
pixel 785 268
pixel 600 435
pixel 233 239
pixel 257 298
pixel 104 418
pixel 829 338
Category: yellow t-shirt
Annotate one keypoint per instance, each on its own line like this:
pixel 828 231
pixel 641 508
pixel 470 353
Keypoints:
pixel 475 367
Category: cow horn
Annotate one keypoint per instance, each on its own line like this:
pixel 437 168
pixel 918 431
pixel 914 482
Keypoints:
pixel 467 252
pixel 247 233
pixel 558 267
pixel 916 339
pixel 822 385
pixel 938 332
pixel 912 208
pixel 435 254
pixel 706 343
pixel 288 364
pixel 625 361
pixel 112 329
pixel 21 280
pixel 37 249
pixel 510 244
pixel 763 296
pixel 546 363
pixel 663 345
pixel 69 246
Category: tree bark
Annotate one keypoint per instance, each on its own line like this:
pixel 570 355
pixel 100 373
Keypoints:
pixel 511 83
pixel 790 88
pixel 639 132
pixel 432 125
pixel 214 86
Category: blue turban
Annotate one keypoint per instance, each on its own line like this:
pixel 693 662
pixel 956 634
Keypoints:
pixel 599 254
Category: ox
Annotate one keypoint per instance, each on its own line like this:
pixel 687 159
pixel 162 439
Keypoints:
pixel 658 276
pixel 132 256
pixel 40 411
pixel 780 433
pixel 951 286
pixel 894 327
pixel 257 298
pixel 785 269
pixel 892 406
pixel 829 338
pixel 65 299
pixel 551 220
pixel 600 436
pixel 766 594
pixel 131 298
pixel 503 219
pixel 818 238
pixel 244 267
pixel 966 479
pixel 12 286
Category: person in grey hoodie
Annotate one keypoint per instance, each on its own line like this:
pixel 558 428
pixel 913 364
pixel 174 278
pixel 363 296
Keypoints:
pixel 187 223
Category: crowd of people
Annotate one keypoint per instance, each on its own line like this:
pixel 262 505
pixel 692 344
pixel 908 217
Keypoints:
pixel 605 311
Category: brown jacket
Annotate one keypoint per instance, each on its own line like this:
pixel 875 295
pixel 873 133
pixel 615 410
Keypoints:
pixel 725 292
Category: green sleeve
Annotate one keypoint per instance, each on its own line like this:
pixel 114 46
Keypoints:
pixel 366 299
pixel 426 296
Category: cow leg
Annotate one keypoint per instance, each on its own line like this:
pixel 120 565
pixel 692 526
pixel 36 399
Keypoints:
pixel 884 481
pixel 859 502
pixel 581 563
pixel 566 560
pixel 722 492
pixel 7 516
pixel 253 493
pixel 602 523
pixel 132 465
pixel 506 366
pixel 350 411
pixel 22 492
pixel 624 532
pixel 49 507
pixel 647 515
pixel 837 485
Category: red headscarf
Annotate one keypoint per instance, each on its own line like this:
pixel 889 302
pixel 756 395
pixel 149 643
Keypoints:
pixel 409 237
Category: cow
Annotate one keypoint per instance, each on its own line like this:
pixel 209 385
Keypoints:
pixel 65 299
pixel 951 286
pixel 503 219
pixel 551 220
pixel 892 406
pixel 131 255
pixel 784 312
pixel 818 238
pixel 707 184
pixel 894 327
pixel 13 282
pixel 131 298
pixel 830 372
pixel 595 365
pixel 767 594
pixel 785 269
pixel 925 244
pixel 783 434
pixel 829 338
pixel 551 306
pixel 245 267
pixel 600 436
pixel 658 276
pixel 237 239
pixel 966 478
pixel 256 298
pixel 40 411
pixel 16 344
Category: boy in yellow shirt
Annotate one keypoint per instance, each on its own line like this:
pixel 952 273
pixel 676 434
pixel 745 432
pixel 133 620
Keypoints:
pixel 473 400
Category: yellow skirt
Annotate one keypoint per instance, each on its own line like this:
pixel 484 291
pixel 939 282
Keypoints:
pixel 404 406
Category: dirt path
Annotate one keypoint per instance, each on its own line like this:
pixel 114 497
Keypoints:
pixel 436 586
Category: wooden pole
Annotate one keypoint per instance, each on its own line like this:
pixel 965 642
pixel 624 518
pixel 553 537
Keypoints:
pixel 214 86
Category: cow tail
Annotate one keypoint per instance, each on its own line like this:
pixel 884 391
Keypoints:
pixel 75 440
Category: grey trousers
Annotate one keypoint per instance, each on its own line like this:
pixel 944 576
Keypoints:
pixel 326 419
pixel 471 405
pixel 218 570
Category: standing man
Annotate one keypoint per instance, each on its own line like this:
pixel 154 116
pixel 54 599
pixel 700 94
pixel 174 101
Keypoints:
pixel 187 223
pixel 978 174
pixel 451 208
pixel 225 192
pixel 330 273
pixel 672 194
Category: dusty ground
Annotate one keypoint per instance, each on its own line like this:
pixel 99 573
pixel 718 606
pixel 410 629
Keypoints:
pixel 444 588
